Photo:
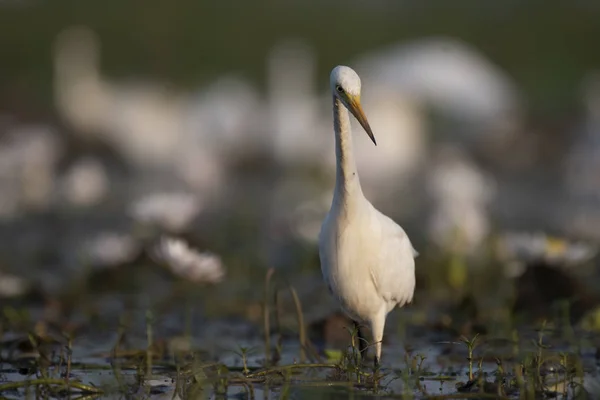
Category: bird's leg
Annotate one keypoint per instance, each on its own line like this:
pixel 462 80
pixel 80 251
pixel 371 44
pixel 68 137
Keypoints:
pixel 353 338
pixel 362 343
pixel 377 328
pixel 376 375
pixel 376 364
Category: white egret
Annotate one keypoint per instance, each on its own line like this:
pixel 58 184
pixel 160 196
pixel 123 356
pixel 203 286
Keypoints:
pixel 367 259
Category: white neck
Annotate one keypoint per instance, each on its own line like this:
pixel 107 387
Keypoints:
pixel 347 184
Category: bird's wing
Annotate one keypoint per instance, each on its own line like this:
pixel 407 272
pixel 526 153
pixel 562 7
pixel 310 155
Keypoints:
pixel 393 271
pixel 415 253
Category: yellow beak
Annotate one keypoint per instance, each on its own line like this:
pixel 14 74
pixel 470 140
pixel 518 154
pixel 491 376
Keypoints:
pixel 359 114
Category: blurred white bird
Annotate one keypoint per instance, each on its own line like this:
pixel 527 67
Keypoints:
pixel 86 183
pixel 456 80
pixel 293 107
pixel 583 159
pixel 29 158
pixel 143 121
pixel 517 249
pixel 187 262
pixel 171 211
pixel 461 192
pixel 148 124
pixel 109 249
pixel 581 166
pixel 367 260
pixel 402 132
pixel 12 286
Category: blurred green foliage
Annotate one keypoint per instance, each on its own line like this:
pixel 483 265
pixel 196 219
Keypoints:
pixel 546 46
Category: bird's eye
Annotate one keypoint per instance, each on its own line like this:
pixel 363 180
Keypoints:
pixel 339 89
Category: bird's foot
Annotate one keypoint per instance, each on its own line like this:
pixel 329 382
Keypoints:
pixel 376 373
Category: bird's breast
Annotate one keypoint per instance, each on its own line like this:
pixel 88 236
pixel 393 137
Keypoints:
pixel 346 259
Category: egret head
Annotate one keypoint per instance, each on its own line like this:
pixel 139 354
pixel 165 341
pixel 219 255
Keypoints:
pixel 345 85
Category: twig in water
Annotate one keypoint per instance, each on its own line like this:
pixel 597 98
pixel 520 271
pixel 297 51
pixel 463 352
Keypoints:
pixel 69 356
pixel 467 396
pixel 291 366
pixel 267 326
pixel 278 314
pixel 301 327
pixel 150 336
pixel 59 382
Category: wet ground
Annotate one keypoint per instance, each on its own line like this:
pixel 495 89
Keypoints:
pixel 152 340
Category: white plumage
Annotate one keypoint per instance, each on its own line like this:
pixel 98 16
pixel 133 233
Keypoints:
pixel 367 259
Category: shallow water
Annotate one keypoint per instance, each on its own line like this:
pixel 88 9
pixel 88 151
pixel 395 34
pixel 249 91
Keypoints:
pixel 219 341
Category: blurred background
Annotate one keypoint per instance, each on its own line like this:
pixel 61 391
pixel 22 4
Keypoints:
pixel 211 122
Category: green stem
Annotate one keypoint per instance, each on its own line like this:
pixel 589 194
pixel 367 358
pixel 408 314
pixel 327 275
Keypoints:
pixel 301 327
pixel 467 396
pixel 266 322
pixel 150 339
pixel 288 367
pixel 60 382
